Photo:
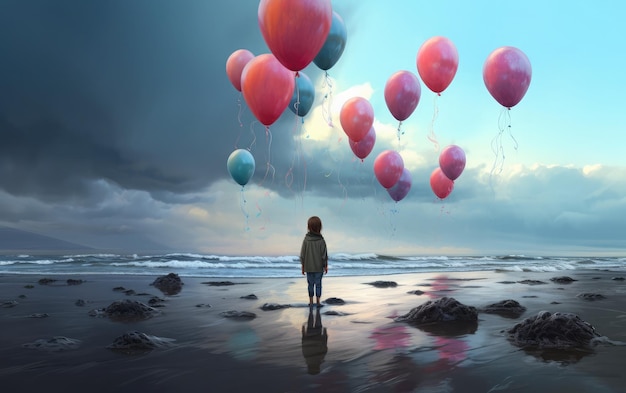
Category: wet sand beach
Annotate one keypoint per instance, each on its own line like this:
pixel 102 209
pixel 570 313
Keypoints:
pixel 352 347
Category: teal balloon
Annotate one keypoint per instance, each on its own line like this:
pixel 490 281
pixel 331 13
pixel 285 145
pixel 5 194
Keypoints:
pixel 303 95
pixel 333 46
pixel 241 166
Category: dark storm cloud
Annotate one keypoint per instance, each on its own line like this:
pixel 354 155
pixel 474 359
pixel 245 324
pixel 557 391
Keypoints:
pixel 132 92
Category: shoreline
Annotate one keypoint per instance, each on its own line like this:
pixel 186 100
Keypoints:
pixel 365 350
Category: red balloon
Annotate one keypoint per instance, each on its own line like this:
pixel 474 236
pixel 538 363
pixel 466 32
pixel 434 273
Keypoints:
pixel 507 75
pixel 295 30
pixel 356 117
pixel 437 62
pixel 398 191
pixel 452 161
pixel 364 147
pixel 440 184
pixel 402 94
pixel 267 87
pixel 235 64
pixel 388 168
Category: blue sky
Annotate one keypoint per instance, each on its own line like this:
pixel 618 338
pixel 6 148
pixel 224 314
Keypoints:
pixel 118 139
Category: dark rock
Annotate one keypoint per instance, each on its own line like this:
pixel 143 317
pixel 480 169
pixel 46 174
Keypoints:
pixel 506 308
pixel 9 304
pixel 416 292
pixel 29 286
pixel 218 283
pixel 532 282
pixel 383 284
pixel 119 289
pixel 54 344
pixel 240 315
pixel 336 313
pixel 170 284
pixel 618 278
pixel 21 297
pixel 71 281
pixel 562 280
pixel 334 301
pixel 506 282
pixel 591 296
pixel 557 330
pixel 137 342
pixel 156 301
pixel 129 292
pixel 126 310
pixel 201 305
pixel 39 315
pixel 274 306
pixel 46 281
pixel 440 310
pixel 250 297
pixel 80 303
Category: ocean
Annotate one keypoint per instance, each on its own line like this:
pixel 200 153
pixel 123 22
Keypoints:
pixel 199 265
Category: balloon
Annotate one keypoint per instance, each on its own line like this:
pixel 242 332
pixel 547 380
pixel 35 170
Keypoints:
pixel 402 94
pixel 295 30
pixel 507 74
pixel 388 168
pixel 333 46
pixel 452 161
pixel 267 87
pixel 356 117
pixel 235 64
pixel 303 95
pixel 364 147
pixel 398 191
pixel 241 166
pixel 441 185
pixel 437 62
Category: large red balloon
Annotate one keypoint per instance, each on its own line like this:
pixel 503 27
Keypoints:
pixel 398 191
pixel 507 75
pixel 364 147
pixel 267 87
pixel 440 184
pixel 452 161
pixel 235 64
pixel 402 94
pixel 437 62
pixel 388 168
pixel 356 117
pixel 295 30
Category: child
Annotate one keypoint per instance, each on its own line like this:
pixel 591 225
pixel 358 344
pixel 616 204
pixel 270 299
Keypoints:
pixel 314 258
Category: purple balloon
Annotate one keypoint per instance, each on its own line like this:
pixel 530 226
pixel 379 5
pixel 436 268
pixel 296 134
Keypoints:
pixel 364 147
pixel 398 191
pixel 452 161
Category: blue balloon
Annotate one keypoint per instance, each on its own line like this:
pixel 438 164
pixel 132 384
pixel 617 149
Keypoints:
pixel 241 166
pixel 303 95
pixel 333 46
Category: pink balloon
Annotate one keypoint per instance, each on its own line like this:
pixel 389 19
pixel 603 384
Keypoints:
pixel 388 168
pixel 402 94
pixel 356 117
pixel 267 87
pixel 364 147
pixel 398 191
pixel 507 73
pixel 437 62
pixel 235 64
pixel 440 184
pixel 295 31
pixel 452 161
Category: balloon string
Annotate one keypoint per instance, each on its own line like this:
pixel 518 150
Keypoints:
pixel 240 110
pixel 268 166
pixel 253 143
pixel 327 101
pixel 431 131
pixel 244 210
pixel 400 132
pixel 497 147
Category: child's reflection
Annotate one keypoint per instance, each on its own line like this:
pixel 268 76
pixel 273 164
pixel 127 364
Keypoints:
pixel 314 341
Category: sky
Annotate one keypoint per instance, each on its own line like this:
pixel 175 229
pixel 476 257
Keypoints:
pixel 117 118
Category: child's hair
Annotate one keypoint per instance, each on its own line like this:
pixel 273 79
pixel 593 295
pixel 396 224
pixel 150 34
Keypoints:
pixel 315 224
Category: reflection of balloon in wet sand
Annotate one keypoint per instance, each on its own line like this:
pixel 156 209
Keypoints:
pixel 390 337
pixel 314 342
